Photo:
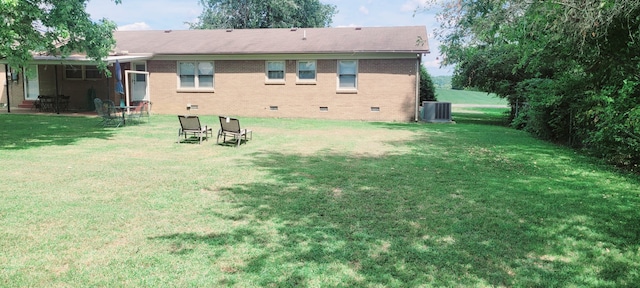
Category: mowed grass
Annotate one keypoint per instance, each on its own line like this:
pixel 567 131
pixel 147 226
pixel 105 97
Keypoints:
pixel 309 203
pixel 466 97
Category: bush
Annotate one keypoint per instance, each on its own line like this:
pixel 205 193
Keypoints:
pixel 427 89
pixel 604 122
pixel 613 121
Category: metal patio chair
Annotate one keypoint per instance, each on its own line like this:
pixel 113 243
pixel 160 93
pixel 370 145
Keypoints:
pixel 190 127
pixel 231 127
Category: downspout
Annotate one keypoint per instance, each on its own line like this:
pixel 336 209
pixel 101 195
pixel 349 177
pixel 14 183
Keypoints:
pixel 417 112
pixel 7 81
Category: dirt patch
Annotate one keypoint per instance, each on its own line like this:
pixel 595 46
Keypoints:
pixel 344 140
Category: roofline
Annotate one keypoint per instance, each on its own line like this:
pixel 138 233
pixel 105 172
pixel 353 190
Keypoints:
pixel 84 60
pixel 289 56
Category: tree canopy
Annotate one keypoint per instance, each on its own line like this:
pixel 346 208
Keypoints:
pixel 59 27
pixel 571 68
pixel 244 14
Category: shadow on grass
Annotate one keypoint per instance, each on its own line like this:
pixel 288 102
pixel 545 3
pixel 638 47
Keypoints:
pixel 499 117
pixel 512 212
pixel 22 131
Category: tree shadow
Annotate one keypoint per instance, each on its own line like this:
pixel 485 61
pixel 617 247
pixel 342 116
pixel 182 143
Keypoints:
pixel 417 218
pixel 25 131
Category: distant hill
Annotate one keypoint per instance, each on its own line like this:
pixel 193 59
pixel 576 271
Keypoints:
pixel 441 81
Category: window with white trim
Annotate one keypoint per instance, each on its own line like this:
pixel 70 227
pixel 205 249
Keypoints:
pixel 347 74
pixel 196 75
pixel 306 71
pixel 275 70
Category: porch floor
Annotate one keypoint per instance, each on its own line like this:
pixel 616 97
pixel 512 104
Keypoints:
pixel 20 110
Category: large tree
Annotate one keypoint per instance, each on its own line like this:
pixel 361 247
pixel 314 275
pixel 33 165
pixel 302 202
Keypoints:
pixel 54 27
pixel 575 63
pixel 243 14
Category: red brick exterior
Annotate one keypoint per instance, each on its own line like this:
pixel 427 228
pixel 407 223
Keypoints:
pixel 240 90
pixel 386 90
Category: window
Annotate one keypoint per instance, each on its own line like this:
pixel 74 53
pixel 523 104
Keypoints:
pixel 275 71
pixel 142 67
pixel 92 72
pixel 196 75
pixel 347 74
pixel 307 71
pixel 73 72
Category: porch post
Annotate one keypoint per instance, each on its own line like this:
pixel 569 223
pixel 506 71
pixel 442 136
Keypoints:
pixel 8 80
pixel 55 71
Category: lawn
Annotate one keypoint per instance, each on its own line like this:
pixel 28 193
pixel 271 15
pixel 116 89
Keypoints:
pixel 466 97
pixel 309 203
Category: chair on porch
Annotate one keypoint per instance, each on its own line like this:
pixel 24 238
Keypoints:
pixel 231 127
pixel 63 102
pixel 37 104
pixel 190 126
pixel 140 112
pixel 107 113
pixel 47 103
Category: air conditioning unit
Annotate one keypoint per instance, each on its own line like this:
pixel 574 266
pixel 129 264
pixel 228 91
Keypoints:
pixel 433 112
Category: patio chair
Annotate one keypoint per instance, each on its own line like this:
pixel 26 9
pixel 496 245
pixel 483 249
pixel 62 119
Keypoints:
pixel 63 102
pixel 231 127
pixel 107 113
pixel 37 104
pixel 190 126
pixel 140 112
pixel 47 103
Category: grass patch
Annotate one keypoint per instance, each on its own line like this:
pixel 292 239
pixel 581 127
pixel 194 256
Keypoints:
pixel 468 97
pixel 309 203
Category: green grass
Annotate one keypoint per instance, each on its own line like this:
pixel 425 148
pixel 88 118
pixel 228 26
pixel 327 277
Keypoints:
pixel 468 97
pixel 309 203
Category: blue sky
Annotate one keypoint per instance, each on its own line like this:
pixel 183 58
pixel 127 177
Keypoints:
pixel 167 14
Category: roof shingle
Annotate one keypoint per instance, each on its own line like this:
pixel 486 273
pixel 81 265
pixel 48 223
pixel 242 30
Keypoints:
pixel 405 39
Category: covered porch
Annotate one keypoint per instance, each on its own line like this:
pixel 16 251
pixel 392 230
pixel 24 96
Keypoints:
pixel 68 85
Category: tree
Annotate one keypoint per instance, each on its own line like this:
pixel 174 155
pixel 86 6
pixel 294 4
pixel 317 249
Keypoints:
pixel 427 89
pixel 245 14
pixel 51 27
pixel 575 63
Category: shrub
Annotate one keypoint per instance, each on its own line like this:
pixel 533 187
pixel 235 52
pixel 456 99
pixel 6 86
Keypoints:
pixel 427 89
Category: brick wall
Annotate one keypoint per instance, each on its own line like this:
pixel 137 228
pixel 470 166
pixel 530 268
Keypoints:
pixel 240 90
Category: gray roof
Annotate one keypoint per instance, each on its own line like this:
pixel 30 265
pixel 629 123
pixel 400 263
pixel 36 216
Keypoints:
pixel 407 39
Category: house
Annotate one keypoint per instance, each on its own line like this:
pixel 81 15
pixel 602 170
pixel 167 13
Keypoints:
pixel 363 73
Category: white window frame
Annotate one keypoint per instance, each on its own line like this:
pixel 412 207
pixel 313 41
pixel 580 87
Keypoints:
pixel 196 77
pixel 269 80
pixel 339 74
pixel 315 72
pixel 83 72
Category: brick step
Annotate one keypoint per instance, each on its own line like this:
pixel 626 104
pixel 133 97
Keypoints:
pixel 26 104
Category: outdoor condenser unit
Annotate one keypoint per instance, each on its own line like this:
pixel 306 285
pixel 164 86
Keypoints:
pixel 433 111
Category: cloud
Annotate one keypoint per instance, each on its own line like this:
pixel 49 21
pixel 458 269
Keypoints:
pixel 435 63
pixel 412 5
pixel 135 26
pixel 364 10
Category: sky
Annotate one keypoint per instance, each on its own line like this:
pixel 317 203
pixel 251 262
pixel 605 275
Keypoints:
pixel 172 15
